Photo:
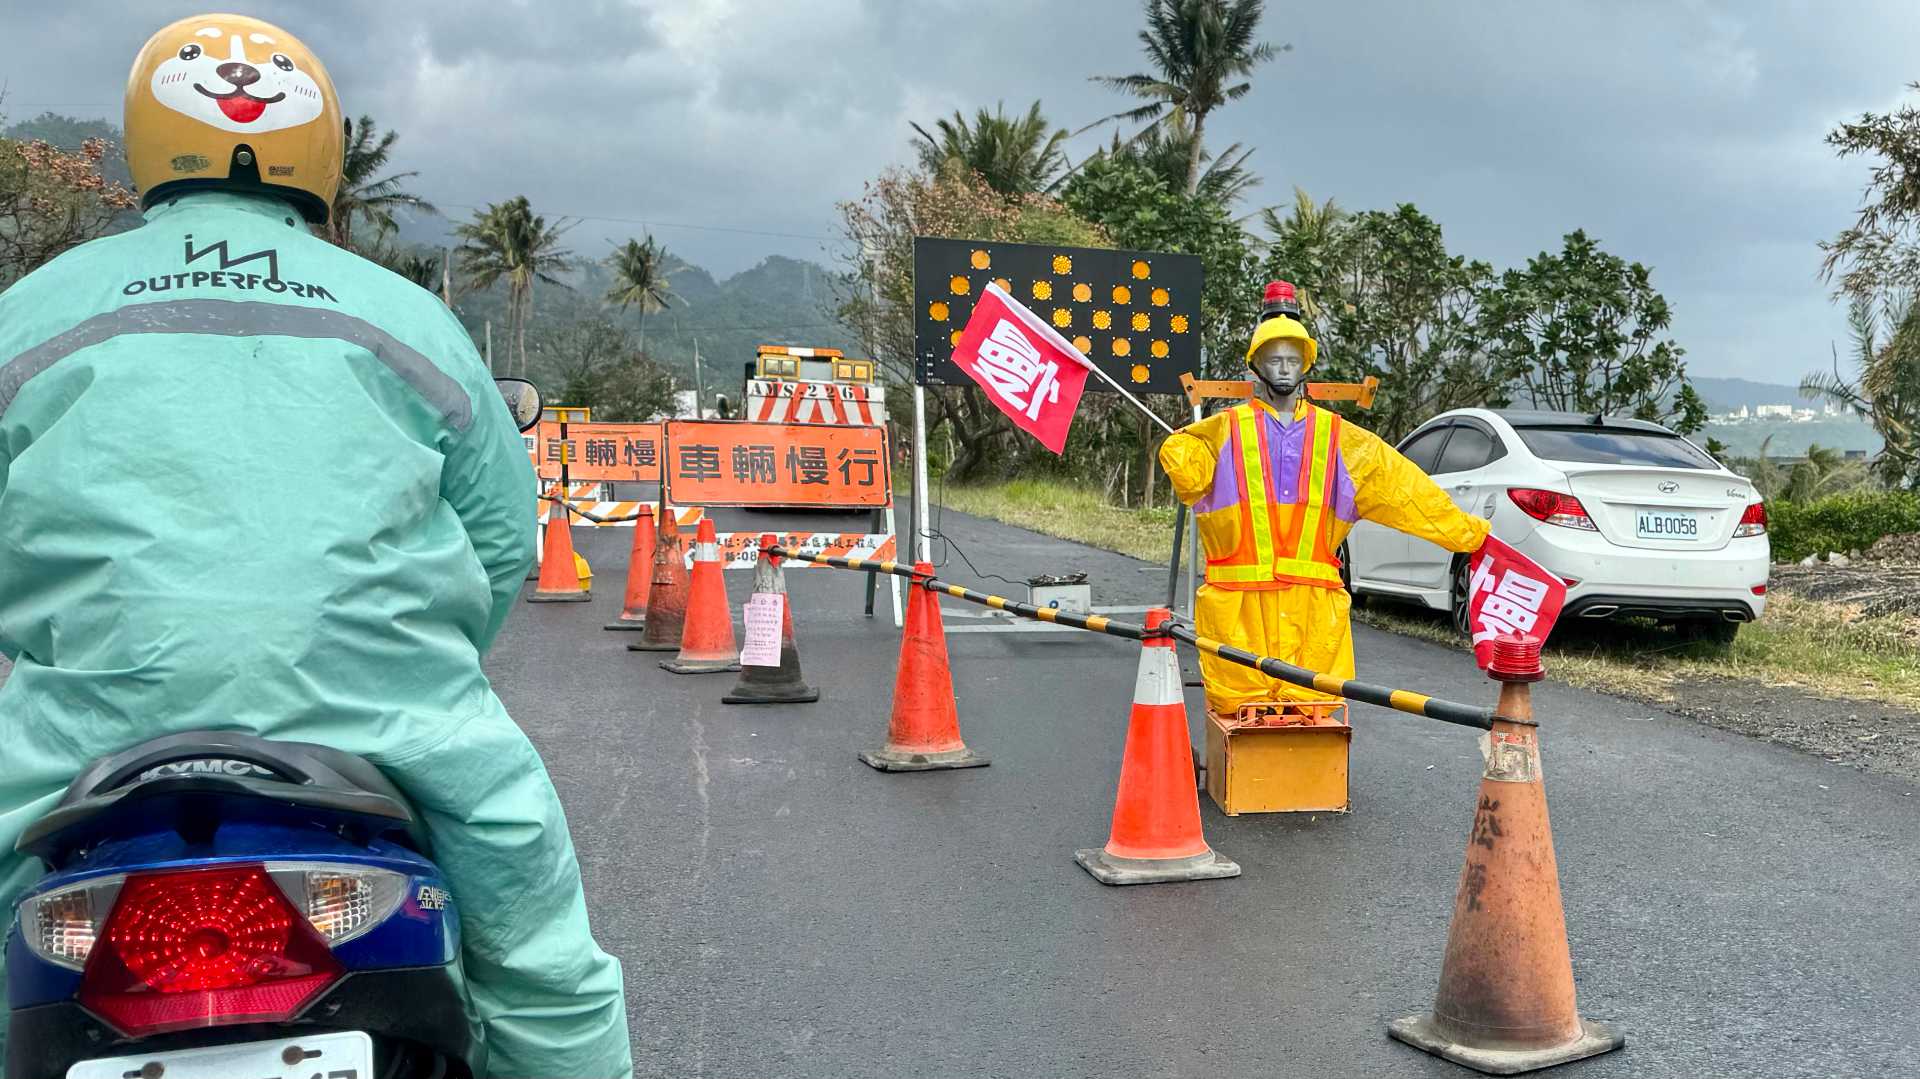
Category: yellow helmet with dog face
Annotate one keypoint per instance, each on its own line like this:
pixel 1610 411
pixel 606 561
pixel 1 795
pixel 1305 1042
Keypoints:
pixel 227 101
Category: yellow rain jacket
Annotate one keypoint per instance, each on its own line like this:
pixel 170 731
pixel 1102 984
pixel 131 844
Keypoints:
pixel 1274 497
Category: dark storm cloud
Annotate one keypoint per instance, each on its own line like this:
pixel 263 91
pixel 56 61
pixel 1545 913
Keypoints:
pixel 1685 135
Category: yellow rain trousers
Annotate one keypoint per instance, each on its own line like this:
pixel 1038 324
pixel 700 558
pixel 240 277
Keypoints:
pixel 1274 497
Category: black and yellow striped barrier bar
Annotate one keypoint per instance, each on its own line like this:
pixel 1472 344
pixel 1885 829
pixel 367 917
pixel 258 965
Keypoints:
pixel 1400 700
pixel 588 514
pixel 1094 622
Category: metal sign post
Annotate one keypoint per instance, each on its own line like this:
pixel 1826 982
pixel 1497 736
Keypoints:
pixel 922 495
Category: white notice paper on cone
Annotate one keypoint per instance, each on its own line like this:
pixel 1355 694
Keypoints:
pixel 766 613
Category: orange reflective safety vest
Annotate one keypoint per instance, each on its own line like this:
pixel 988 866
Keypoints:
pixel 1277 496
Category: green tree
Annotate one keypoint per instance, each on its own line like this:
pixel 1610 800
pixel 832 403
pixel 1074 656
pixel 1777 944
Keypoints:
pixel 508 241
pixel 635 391
pixel 1306 242
pixel 640 279
pixel 878 302
pixel 52 200
pixel 1879 254
pixel 419 265
pixel 593 362
pixel 1166 148
pixel 1142 208
pixel 1389 301
pixel 366 195
pixel 1197 49
pixel 1885 386
pixel 1015 155
pixel 1822 473
pixel 1585 331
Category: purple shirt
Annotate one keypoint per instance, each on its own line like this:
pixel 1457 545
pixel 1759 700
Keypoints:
pixel 1286 442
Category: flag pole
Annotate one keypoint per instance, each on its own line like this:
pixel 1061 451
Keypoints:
pixel 1095 368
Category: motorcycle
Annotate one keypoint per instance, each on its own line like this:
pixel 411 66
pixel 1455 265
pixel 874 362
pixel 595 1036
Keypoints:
pixel 220 905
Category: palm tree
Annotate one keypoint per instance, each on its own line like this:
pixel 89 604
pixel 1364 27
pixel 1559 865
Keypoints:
pixel 418 265
pixel 1197 48
pixel 1886 389
pixel 362 196
pixel 508 240
pixel 1015 155
pixel 1166 148
pixel 1308 236
pixel 640 279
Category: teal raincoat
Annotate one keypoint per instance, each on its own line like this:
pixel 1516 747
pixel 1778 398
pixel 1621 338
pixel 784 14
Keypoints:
pixel 249 480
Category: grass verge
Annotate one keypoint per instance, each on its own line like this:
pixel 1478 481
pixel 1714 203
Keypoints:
pixel 1830 649
pixel 1069 512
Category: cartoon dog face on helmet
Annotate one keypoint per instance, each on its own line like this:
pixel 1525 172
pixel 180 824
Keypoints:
pixel 237 82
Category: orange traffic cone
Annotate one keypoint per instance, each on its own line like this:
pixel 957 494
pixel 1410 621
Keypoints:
pixel 559 580
pixel 633 613
pixel 924 733
pixel 667 596
pixel 773 685
pixel 706 641
pixel 1506 1003
pixel 1156 815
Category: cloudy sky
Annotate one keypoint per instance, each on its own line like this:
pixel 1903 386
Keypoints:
pixel 1686 135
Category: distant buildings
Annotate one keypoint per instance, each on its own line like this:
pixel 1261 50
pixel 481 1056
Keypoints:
pixel 1744 414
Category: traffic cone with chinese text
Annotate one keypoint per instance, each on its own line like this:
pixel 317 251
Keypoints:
pixel 1506 1001
pixel 667 596
pixel 773 685
pixel 706 640
pixel 559 575
pixel 1156 832
pixel 633 612
pixel 924 732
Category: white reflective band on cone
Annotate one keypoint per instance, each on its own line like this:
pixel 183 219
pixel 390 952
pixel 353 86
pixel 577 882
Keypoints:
pixel 1159 679
pixel 706 552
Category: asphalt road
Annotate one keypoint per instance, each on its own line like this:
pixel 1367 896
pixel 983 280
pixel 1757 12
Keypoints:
pixel 782 910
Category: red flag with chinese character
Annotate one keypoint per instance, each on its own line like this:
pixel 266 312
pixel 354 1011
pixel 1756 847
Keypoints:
pixel 1028 370
pixel 1510 593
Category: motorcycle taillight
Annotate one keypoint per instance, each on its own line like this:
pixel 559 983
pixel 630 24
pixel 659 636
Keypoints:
pixel 204 947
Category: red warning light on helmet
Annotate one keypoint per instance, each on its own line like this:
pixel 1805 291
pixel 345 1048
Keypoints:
pixel 1278 301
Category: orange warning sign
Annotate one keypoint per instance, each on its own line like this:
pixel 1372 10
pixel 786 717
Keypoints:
pixel 600 452
pixel 734 463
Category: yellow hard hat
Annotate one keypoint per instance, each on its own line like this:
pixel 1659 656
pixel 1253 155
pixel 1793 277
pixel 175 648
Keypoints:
pixel 1281 328
pixel 227 101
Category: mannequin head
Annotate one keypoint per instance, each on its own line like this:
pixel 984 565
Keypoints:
pixel 1279 370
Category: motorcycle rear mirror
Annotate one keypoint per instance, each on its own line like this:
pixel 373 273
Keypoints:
pixel 523 400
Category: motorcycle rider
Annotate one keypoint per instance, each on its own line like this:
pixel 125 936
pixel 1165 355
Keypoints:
pixel 249 480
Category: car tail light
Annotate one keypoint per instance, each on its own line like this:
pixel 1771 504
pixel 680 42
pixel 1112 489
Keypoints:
pixel 204 947
pixel 340 903
pixel 1759 590
pixel 1753 522
pixel 1553 507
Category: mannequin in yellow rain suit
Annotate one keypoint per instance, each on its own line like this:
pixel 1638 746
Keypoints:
pixel 1276 484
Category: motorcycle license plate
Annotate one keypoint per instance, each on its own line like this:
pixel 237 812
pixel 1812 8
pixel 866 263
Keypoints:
pixel 347 1055
pixel 1666 525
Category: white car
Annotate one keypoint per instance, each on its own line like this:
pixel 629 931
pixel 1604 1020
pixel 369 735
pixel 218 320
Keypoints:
pixel 1636 519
